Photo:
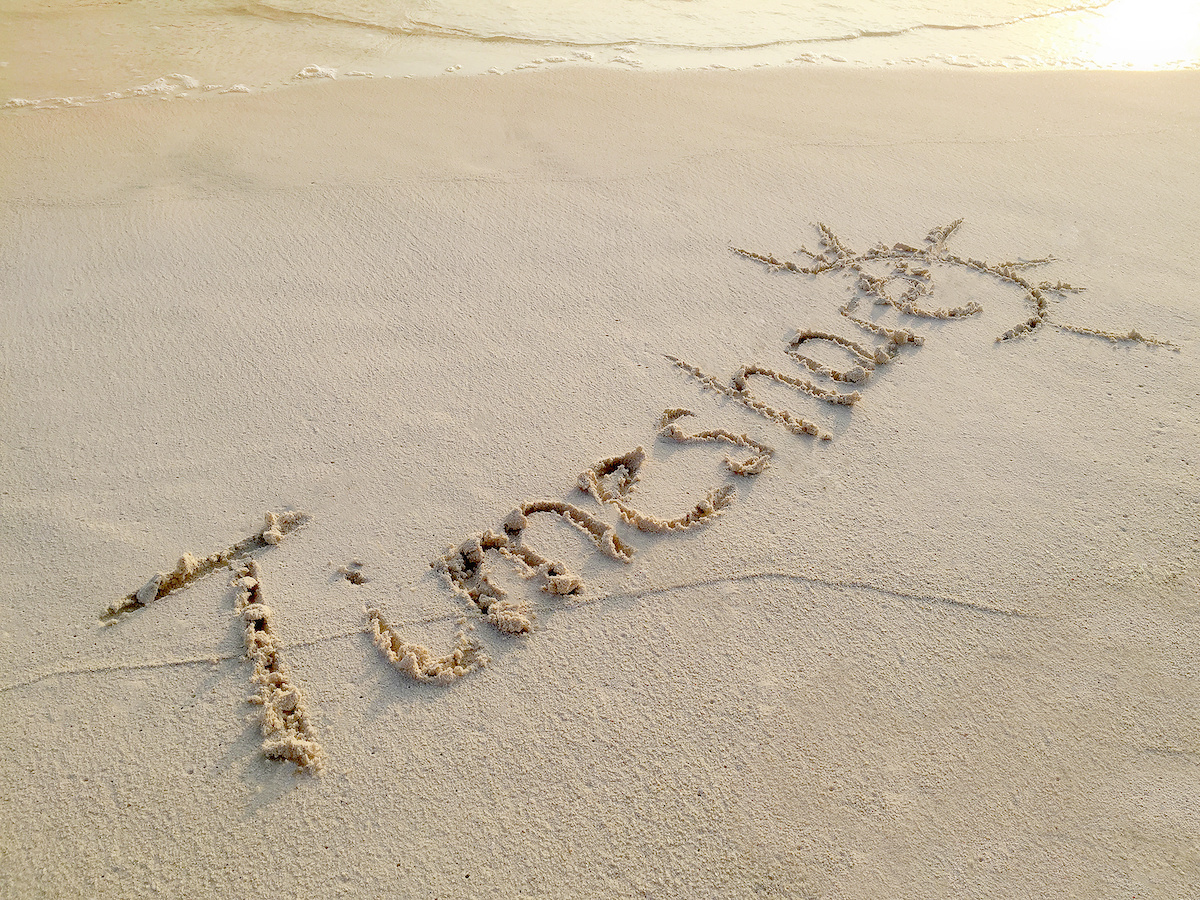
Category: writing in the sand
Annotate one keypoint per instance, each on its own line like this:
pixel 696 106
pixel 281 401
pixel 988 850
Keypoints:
pixel 471 570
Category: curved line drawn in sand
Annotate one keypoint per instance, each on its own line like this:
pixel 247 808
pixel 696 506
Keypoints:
pixel 190 569
pixel 739 392
pixel 754 464
pixel 623 472
pixel 418 662
pixel 286 728
pixel 582 600
pixel 864 359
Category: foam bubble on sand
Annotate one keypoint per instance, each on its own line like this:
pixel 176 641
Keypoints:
pixel 286 727
pixel 316 72
pixel 164 88
pixel 190 569
pixel 167 84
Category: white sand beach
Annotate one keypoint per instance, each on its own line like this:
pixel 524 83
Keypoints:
pixel 949 652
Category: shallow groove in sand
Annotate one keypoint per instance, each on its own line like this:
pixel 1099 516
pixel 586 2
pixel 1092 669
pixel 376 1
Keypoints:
pixel 434 619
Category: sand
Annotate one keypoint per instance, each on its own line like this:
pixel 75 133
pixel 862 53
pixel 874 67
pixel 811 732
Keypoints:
pixel 943 643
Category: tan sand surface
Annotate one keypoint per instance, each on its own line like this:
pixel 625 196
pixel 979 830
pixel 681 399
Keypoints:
pixel 951 651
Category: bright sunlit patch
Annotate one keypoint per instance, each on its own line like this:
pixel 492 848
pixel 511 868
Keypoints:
pixel 1147 34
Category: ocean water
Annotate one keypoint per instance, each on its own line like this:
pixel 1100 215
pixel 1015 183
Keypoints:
pixel 66 52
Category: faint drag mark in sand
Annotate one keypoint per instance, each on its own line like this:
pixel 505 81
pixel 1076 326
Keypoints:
pixel 190 569
pixel 574 602
pixel 1181 752
pixel 940 600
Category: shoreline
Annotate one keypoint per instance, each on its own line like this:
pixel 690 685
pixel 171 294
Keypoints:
pixel 161 52
pixel 183 86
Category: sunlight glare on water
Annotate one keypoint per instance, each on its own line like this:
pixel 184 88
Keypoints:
pixel 1146 34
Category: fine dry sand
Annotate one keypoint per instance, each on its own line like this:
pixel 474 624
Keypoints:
pixel 949 651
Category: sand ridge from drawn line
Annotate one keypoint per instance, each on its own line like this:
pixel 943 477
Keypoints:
pixel 741 380
pixel 624 471
pixel 754 464
pixel 190 569
pixel 795 424
pixel 866 359
pixel 418 662
pixel 287 729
